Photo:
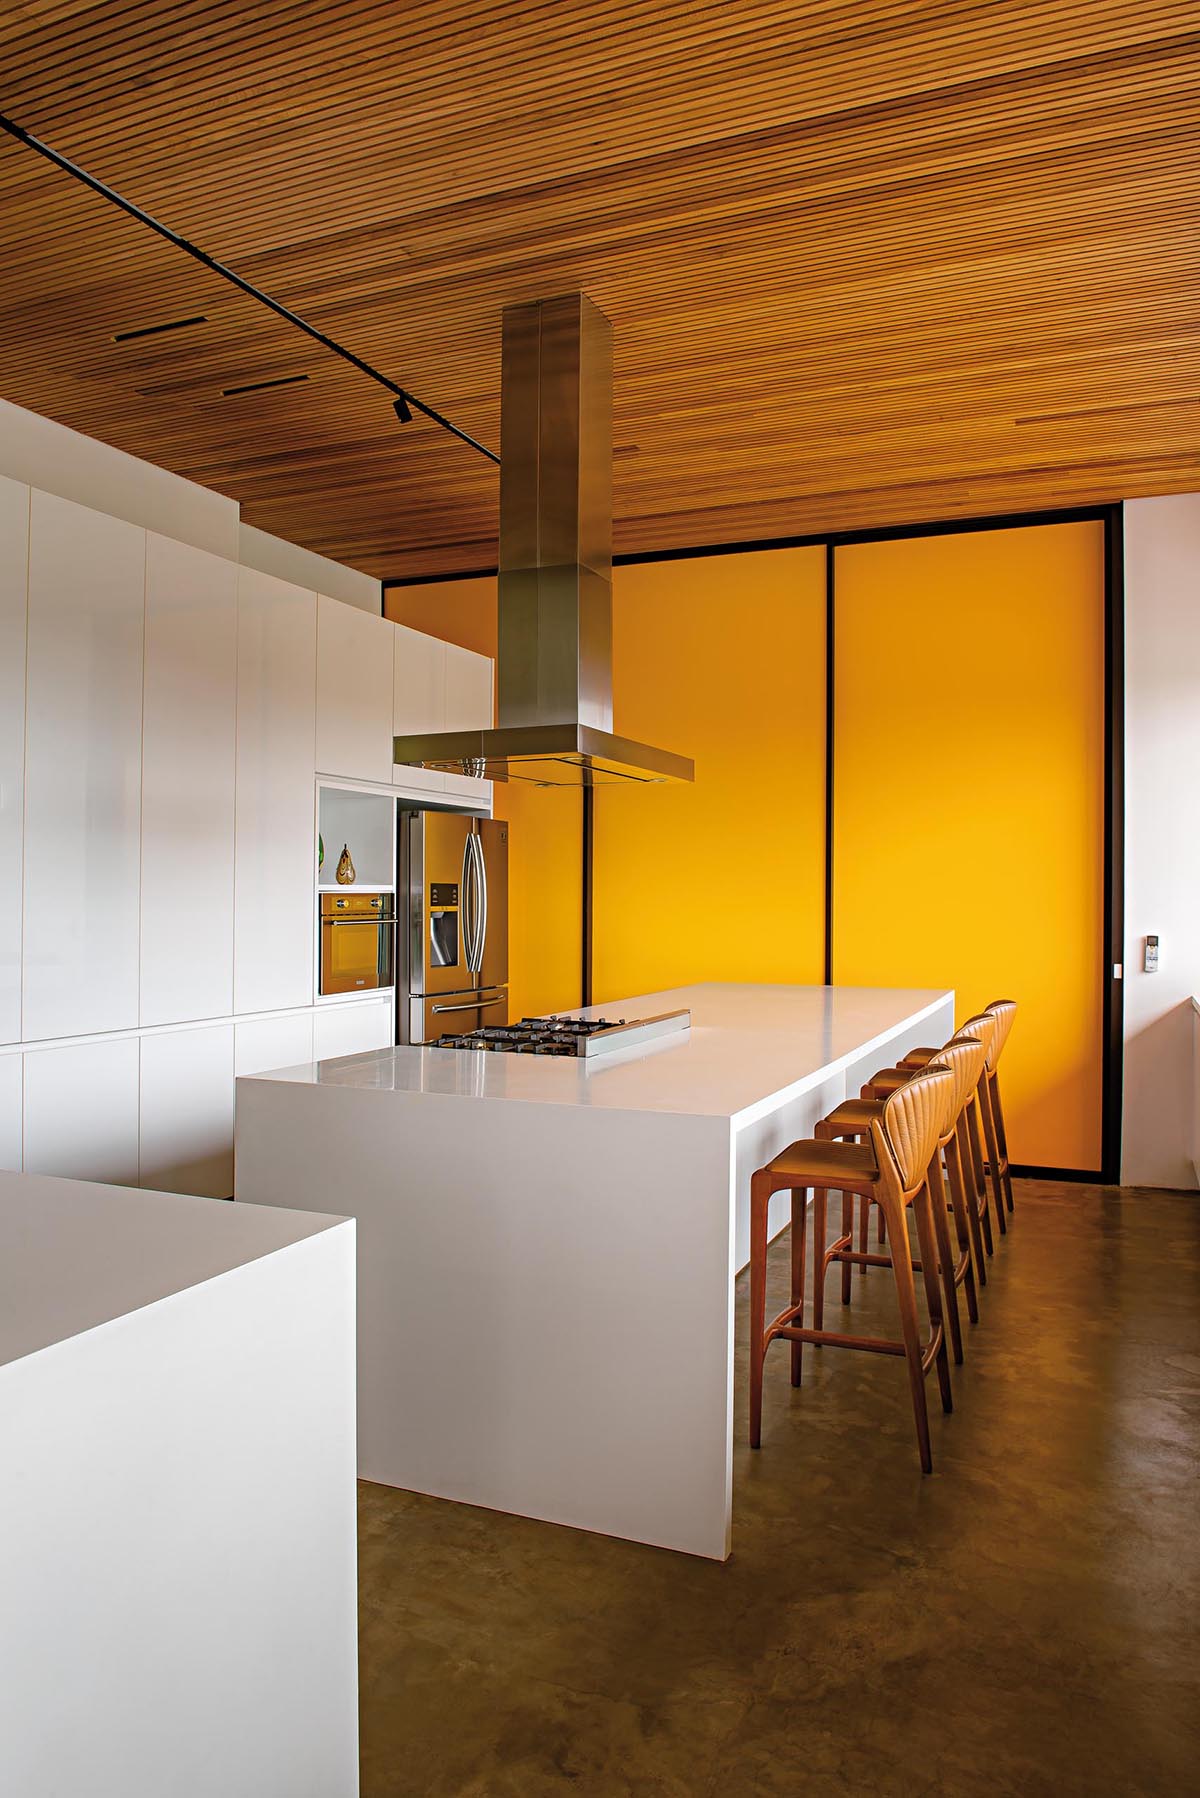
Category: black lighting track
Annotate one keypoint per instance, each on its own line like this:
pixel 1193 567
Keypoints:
pixel 403 400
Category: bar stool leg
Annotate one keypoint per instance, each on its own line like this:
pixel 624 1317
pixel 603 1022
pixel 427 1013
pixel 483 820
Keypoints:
pixel 864 1231
pixel 993 1153
pixel 923 1214
pixel 962 1159
pixel 910 1331
pixel 760 1198
pixel 1001 1137
pixel 962 1223
pixel 799 1233
pixel 820 1264
pixel 974 1115
pixel 848 1233
pixel 945 1254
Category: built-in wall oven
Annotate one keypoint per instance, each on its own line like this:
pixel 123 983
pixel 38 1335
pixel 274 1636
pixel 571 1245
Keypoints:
pixel 357 941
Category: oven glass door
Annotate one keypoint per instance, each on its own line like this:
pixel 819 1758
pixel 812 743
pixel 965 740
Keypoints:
pixel 356 954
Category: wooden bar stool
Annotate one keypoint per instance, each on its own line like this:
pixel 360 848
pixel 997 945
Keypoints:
pixel 890 1170
pixel 964 1058
pixel 976 1128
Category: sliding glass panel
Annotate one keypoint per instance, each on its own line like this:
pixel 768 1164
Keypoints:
pixel 969 799
pixel 721 658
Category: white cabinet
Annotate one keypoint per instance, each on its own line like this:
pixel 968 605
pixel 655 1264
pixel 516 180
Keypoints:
pixel 83 768
pixel 14 571
pixel 188 783
pixel 353 1029
pixel 418 700
pixel 81 1111
pixel 355 674
pixel 10 1112
pixel 186 1139
pixel 275 837
pixel 439 686
pixel 468 707
pixel 262 1044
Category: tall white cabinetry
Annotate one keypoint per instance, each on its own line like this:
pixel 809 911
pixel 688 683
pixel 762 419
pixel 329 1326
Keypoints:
pixel 354 692
pixel 275 848
pixel 87 576
pixel 188 784
pixel 14 575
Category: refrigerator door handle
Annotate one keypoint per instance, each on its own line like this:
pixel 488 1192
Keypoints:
pixel 481 873
pixel 466 910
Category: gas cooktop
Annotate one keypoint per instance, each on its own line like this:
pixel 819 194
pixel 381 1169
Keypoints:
pixel 576 1037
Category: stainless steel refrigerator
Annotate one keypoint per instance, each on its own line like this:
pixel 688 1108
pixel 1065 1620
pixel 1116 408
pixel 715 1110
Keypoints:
pixel 453 925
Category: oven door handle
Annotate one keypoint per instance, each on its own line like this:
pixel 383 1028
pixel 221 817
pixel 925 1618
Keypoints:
pixel 374 923
pixel 477 1005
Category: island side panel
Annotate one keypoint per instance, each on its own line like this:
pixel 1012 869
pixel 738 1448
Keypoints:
pixel 177 1543
pixel 760 1137
pixel 545 1297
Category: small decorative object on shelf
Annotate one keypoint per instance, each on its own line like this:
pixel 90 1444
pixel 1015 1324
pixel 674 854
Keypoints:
pixel 320 853
pixel 345 868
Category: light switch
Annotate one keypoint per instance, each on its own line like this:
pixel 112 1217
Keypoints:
pixel 1150 961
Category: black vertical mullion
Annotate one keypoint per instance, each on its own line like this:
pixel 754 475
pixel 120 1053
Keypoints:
pixel 1114 844
pixel 829 724
pixel 589 893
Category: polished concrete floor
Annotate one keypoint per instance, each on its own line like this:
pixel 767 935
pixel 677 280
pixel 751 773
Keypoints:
pixel 1025 1621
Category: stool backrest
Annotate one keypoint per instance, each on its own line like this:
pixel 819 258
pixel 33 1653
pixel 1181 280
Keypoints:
pixel 1004 1011
pixel 907 1133
pixel 964 1056
pixel 983 1028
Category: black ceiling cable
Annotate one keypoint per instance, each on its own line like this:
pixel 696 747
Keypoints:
pixel 404 402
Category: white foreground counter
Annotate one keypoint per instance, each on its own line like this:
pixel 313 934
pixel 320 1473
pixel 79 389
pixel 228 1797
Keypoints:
pixel 547 1247
pixel 177 1500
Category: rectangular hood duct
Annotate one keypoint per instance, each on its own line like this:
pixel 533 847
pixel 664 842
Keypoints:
pixel 554 664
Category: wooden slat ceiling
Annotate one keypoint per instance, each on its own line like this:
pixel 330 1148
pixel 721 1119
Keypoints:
pixel 867 261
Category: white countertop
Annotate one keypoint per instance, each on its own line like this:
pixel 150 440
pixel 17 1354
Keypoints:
pixel 74 1255
pixel 748 1047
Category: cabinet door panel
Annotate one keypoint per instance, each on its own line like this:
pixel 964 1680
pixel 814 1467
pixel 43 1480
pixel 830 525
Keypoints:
pixel 187 783
pixel 355 677
pixel 275 839
pixel 468 707
pixel 14 571
pixel 264 1043
pixel 87 577
pixel 418 700
pixel 10 1113
pixel 81 1112
pixel 353 1029
pixel 186 1140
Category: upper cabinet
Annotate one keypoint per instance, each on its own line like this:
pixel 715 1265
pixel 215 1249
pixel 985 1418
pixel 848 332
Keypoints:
pixel 83 768
pixel 275 837
pixel 14 575
pixel 187 783
pixel 355 675
pixel 419 699
pixel 439 687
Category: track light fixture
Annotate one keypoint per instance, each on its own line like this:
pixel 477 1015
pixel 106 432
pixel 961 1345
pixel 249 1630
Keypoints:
pixel 403 401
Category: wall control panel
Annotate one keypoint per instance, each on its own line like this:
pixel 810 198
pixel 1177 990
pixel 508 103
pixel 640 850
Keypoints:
pixel 1150 960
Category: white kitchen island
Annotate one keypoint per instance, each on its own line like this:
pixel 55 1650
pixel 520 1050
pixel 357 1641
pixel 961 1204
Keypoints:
pixel 178 1601
pixel 547 1247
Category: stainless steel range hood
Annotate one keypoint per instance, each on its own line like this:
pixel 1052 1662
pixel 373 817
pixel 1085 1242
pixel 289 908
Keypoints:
pixel 554 666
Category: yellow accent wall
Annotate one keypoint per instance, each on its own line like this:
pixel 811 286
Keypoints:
pixel 968 799
pixel 720 658
pixel 545 896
